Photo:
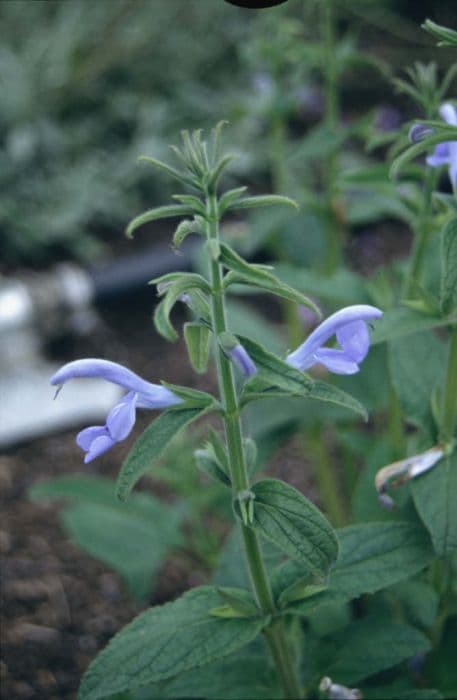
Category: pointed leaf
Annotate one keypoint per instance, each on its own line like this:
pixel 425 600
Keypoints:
pixel 197 337
pixel 286 518
pixel 265 200
pixel 170 171
pixel 229 198
pixel 165 212
pixel 150 446
pixel 166 641
pixel 245 273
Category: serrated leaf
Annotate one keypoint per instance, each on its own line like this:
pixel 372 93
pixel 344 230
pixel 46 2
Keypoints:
pixel 165 212
pixel 245 273
pixel 370 646
pixel 197 338
pixel 165 641
pixel 449 267
pixel 372 556
pixel 285 517
pixel 265 200
pixel 434 496
pixel 132 538
pixel 150 446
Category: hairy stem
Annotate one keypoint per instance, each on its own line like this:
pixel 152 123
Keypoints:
pixel 274 633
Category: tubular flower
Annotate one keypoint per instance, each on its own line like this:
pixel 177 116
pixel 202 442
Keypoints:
pixel 242 360
pixel 349 326
pixel 98 439
pixel 446 153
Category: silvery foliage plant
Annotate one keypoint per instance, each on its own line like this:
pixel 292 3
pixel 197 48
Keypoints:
pixel 276 621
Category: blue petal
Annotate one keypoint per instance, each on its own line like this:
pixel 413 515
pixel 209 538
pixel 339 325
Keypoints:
pixel 121 418
pixel 440 155
pixel 98 447
pixel 354 338
pixel 336 361
pixel 85 438
pixel 242 360
pixel 104 369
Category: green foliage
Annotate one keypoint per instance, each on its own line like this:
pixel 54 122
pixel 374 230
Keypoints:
pixel 434 497
pixel 399 322
pixel 449 267
pixel 151 444
pixel 165 641
pixel 197 337
pixel 284 516
pixel 132 538
pixel 369 646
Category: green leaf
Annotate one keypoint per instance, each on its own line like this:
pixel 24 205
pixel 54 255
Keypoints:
pixel 275 371
pixel 150 446
pixel 132 538
pixel 434 495
pixel 247 321
pixel 399 322
pixel 285 517
pixel 170 171
pixel 245 273
pixel 165 212
pixel 449 267
pixel 370 646
pixel 165 641
pixel 173 286
pixel 185 228
pixel 240 600
pixel 265 200
pixel 219 169
pixel 321 391
pixel 207 462
pixel 228 198
pixel 194 203
pixel 419 600
pixel 343 287
pixel 240 676
pixel 446 36
pixel 194 398
pixel 446 133
pixel 197 337
pixel 372 556
pixel 417 365
pixel 291 380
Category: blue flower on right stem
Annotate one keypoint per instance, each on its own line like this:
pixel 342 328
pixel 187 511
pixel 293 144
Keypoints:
pixel 351 330
pixel 446 153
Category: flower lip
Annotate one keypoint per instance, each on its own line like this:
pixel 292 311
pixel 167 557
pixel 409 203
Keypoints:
pixel 98 439
pixel 349 326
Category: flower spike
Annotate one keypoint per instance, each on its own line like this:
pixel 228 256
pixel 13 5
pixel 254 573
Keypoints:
pixel 98 439
pixel 349 326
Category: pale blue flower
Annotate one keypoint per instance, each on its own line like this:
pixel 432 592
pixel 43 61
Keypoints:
pixel 446 153
pixel 98 439
pixel 349 326
pixel 240 357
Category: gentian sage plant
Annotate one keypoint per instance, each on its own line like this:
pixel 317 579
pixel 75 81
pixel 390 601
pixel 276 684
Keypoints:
pixel 203 644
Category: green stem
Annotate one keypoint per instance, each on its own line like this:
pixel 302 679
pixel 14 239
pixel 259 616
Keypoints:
pixel 422 236
pixel 274 633
pixel 449 416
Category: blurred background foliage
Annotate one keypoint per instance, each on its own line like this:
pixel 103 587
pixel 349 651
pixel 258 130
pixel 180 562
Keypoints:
pixel 87 87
